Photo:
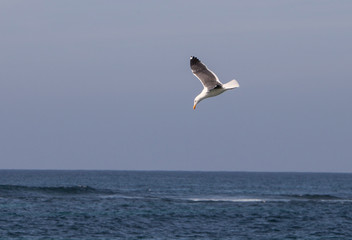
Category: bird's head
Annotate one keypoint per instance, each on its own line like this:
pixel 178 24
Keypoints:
pixel 196 101
pixel 195 104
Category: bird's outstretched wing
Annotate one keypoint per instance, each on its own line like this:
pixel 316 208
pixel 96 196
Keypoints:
pixel 206 77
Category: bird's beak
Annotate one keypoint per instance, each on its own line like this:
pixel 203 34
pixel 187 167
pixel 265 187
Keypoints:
pixel 194 106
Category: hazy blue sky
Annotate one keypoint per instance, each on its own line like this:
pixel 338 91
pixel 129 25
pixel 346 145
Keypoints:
pixel 107 85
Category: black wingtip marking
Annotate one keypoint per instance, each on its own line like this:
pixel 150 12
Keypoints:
pixel 194 60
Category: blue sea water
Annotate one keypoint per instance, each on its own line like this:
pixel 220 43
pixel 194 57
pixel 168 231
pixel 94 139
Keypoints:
pixel 174 205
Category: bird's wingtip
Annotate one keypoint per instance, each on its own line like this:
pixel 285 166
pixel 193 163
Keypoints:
pixel 194 60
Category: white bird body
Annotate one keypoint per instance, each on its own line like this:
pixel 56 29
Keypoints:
pixel 207 94
pixel 212 85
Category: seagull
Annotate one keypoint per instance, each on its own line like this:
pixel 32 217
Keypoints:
pixel 212 85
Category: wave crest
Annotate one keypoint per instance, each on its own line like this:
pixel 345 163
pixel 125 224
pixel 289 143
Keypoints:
pixel 314 197
pixel 79 189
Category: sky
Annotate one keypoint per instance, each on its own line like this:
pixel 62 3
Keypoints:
pixel 107 85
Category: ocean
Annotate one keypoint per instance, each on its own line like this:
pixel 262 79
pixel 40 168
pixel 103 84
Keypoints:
pixel 45 204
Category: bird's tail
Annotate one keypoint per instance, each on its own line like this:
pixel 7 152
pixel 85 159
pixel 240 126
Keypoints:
pixel 232 84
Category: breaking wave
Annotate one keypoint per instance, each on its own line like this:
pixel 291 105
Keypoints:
pixel 22 190
pixel 227 200
pixel 278 198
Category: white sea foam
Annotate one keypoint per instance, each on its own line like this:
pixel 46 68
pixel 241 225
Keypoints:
pixel 337 200
pixel 227 200
pixel 119 196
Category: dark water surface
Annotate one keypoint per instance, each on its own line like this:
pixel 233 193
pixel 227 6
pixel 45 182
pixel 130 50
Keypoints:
pixel 174 205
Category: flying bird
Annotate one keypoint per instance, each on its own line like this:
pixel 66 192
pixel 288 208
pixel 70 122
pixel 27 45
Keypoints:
pixel 212 85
